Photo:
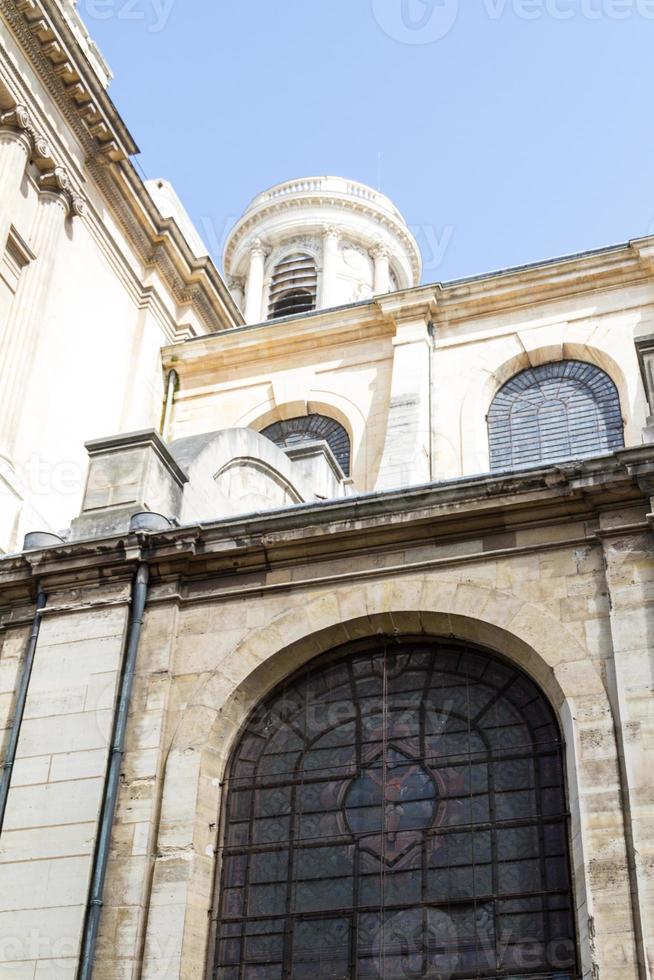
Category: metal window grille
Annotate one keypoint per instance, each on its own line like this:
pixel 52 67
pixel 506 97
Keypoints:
pixel 398 810
pixel 310 428
pixel 564 410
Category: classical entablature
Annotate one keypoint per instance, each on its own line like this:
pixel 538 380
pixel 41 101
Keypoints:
pixel 104 148
pixel 355 239
pixel 290 202
pixel 81 95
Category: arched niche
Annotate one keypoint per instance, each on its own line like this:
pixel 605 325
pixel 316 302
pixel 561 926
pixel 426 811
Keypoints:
pixel 398 807
pixel 525 633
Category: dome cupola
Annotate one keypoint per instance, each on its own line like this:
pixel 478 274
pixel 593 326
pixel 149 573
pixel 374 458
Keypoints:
pixel 316 243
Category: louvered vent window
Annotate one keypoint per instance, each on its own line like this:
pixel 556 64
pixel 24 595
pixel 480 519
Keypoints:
pixel 294 286
pixel 312 428
pixel 565 410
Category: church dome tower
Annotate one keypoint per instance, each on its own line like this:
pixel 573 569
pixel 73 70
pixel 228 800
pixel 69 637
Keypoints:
pixel 316 243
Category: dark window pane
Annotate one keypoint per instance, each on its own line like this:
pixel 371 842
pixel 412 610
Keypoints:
pixel 312 428
pixel 558 411
pixel 321 949
pixel 403 814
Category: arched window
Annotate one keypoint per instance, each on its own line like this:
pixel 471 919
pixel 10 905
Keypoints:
pixel 396 811
pixel 563 410
pixel 312 428
pixel 294 287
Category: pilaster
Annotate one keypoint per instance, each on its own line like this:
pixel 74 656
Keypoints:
pixel 629 564
pixel 28 317
pixel 406 457
pixel 135 851
pixel 14 154
pixel 645 350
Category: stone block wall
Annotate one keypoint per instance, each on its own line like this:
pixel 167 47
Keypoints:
pixel 560 586
pixel 50 827
pixel 542 597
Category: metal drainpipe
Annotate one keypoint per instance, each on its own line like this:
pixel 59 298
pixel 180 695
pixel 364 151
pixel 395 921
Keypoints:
pixel 101 860
pixel 173 381
pixel 21 700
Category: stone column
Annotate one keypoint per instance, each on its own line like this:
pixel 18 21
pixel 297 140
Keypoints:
pixel 407 450
pixel 254 288
pixel 14 154
pixel 27 318
pixel 330 240
pixel 382 271
pixel 236 288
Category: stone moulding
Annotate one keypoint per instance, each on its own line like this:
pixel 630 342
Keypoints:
pixel 51 47
pixel 41 27
pixel 285 205
pixel 434 514
pixel 53 176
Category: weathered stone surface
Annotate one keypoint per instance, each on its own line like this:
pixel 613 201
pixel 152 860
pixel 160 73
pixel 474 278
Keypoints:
pixel 280 558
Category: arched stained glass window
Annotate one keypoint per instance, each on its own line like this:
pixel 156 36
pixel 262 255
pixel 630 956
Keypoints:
pixel 563 410
pixel 312 428
pixel 398 811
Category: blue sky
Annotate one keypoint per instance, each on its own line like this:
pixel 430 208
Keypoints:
pixel 507 131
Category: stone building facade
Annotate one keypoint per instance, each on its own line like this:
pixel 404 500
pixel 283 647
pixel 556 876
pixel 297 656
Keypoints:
pixel 328 653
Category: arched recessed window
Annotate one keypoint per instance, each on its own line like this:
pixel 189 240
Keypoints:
pixel 294 287
pixel 312 428
pixel 563 410
pixel 398 810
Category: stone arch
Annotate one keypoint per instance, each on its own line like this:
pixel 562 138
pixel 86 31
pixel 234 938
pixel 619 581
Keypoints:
pixel 559 411
pixel 342 409
pixel 306 244
pixel 477 401
pixel 525 633
pixel 211 458
pixel 312 428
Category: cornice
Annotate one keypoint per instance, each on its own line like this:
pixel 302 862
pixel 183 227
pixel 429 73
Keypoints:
pixel 276 338
pixel 465 509
pixel 284 205
pixel 450 303
pixel 52 49
pixel 52 175
pixel 45 36
pixel 445 304
pixel 514 289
